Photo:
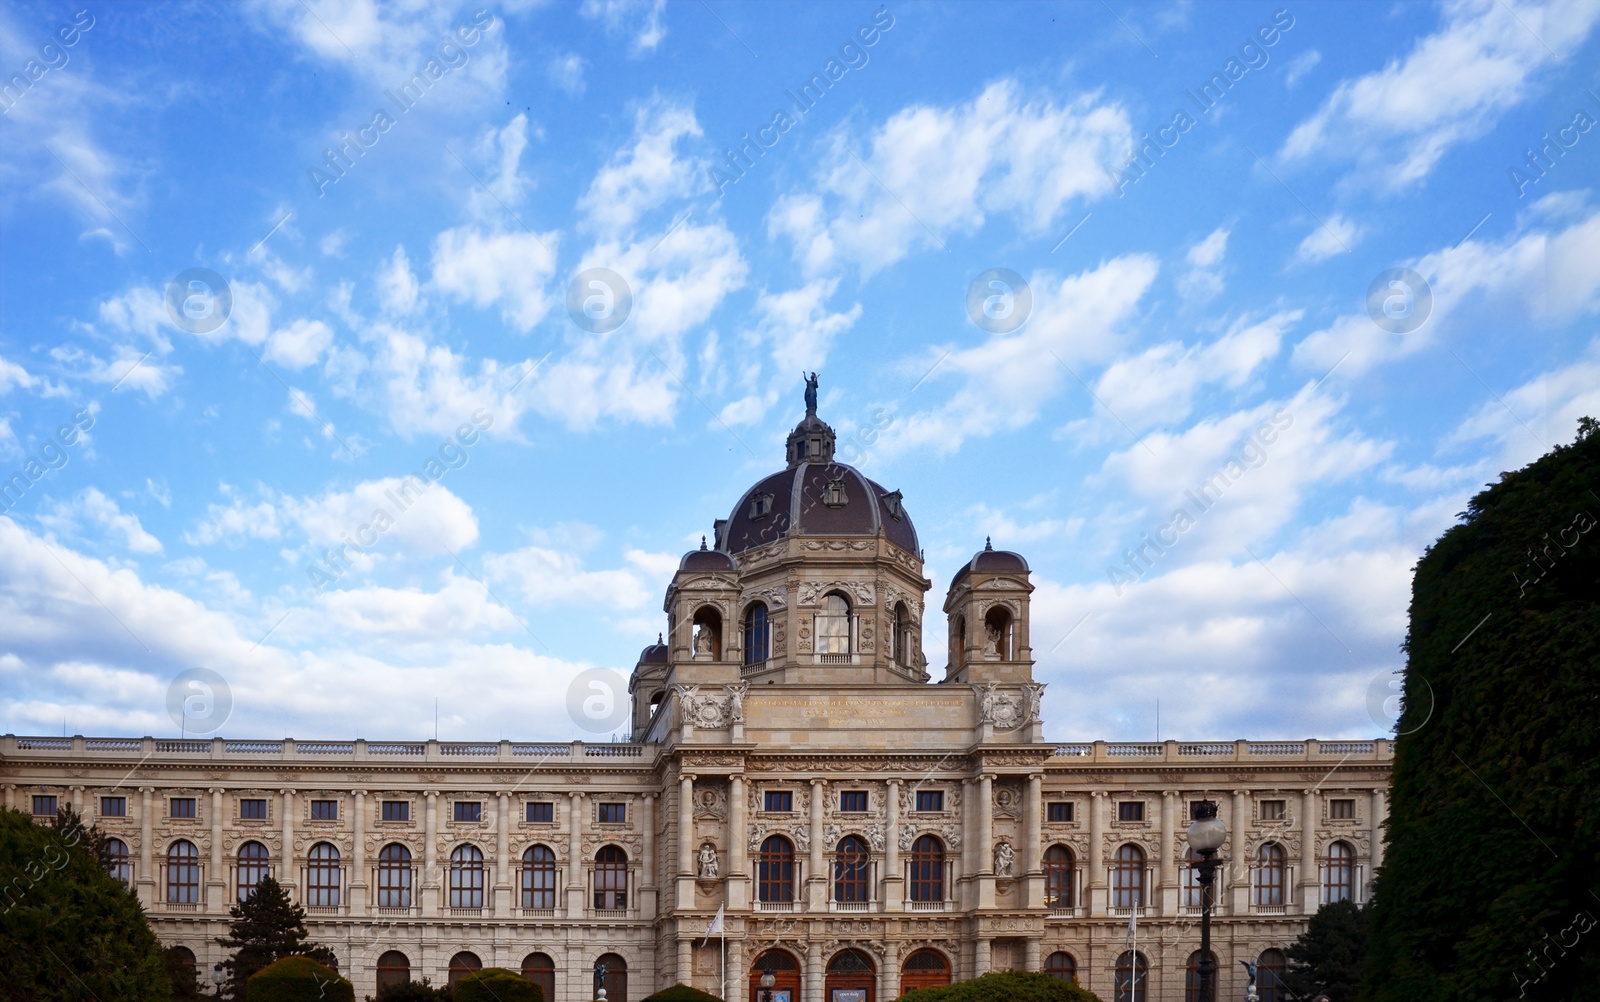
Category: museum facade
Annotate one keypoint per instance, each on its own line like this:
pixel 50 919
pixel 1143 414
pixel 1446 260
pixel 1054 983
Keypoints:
pixel 859 828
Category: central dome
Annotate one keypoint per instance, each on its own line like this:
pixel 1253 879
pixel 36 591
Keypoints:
pixel 815 496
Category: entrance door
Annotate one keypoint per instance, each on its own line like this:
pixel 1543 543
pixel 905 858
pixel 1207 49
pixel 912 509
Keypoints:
pixel 785 976
pixel 924 969
pixel 850 978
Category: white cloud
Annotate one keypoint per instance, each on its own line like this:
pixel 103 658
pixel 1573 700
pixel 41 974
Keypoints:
pixel 238 519
pixel 92 507
pixel 947 169
pixel 13 376
pixel 546 576
pixel 795 330
pixel 566 72
pixel 397 286
pixel 640 19
pixel 300 344
pixel 1543 412
pixel 1203 280
pixel 1300 65
pixel 391 516
pixel 1338 235
pixel 647 174
pixel 484 268
pixel 1452 87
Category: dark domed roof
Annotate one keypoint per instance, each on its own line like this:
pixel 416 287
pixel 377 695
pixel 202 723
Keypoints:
pixel 705 560
pixel 992 561
pixel 655 654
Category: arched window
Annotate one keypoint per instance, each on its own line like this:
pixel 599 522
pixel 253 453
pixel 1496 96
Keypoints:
pixel 463 964
pixel 183 873
pixel 539 878
pixel 785 975
pixel 1269 875
pixel 322 876
pixel 924 969
pixel 1062 967
pixel 775 870
pixel 1191 978
pixel 541 970
pixel 958 640
pixel 900 636
pixel 116 861
pixel 610 879
pixel 616 985
pixel 1191 881
pixel 394 876
pixel 1133 974
pixel 1269 976
pixel 1339 881
pixel 252 867
pixel 852 863
pixel 997 634
pixel 394 968
pixel 849 971
pixel 756 646
pixel 185 956
pixel 1058 866
pixel 927 869
pixel 466 877
pixel 833 625
pixel 1127 877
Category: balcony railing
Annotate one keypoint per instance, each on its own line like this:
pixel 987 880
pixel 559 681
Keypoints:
pixel 259 750
pixel 1379 750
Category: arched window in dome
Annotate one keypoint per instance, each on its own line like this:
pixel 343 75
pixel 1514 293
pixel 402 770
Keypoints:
pixel 998 634
pixel 834 626
pixel 958 641
pixel 707 634
pixel 900 637
pixel 756 633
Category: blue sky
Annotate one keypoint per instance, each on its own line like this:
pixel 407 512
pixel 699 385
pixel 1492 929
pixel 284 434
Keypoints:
pixel 1198 265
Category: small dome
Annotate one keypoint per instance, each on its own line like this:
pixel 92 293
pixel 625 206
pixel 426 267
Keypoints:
pixel 706 560
pixel 992 561
pixel 655 654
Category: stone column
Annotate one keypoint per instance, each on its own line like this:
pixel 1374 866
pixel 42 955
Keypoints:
pixel 980 956
pixel 1238 864
pixel 1033 896
pixel 811 990
pixel 985 840
pixel 647 888
pixel 1167 899
pixel 1310 875
pixel 686 850
pixel 502 858
pixel 11 796
pixel 738 977
pixel 1032 955
pixel 1380 812
pixel 288 868
pixel 1097 866
pixel 889 971
pixel 738 875
pixel 816 879
pixel 685 960
pixel 358 877
pixel 431 890
pixel 216 881
pixel 145 879
pixel 894 885
pixel 575 860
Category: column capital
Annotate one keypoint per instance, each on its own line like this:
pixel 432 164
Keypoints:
pixel 214 789
pixel 430 794
pixel 897 781
pixel 1169 794
pixel 1241 793
pixel 819 782
pixel 687 777
pixel 359 793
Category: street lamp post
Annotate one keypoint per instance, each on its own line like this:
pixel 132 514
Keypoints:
pixel 767 981
pixel 1206 835
pixel 217 978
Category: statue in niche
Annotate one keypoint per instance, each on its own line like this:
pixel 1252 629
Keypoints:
pixel 705 642
pixel 991 641
pixel 709 869
pixel 1005 859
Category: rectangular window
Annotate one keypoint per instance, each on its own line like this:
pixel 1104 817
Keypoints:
pixel 853 801
pixel 780 801
pixel 397 810
pixel 113 807
pixel 1342 810
pixel 1130 810
pixel 44 805
pixel 1059 812
pixel 469 810
pixel 324 810
pixel 183 807
pixel 1272 810
pixel 930 801
pixel 613 814
pixel 253 810
pixel 542 812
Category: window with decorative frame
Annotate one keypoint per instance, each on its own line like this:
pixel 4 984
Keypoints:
pixel 466 877
pixel 252 809
pixel 539 877
pixel 1339 873
pixel 833 622
pixel 541 812
pixel 181 807
pixel 253 867
pixel 927 869
pixel 1059 812
pixel 1058 874
pixel 396 810
pixel 775 870
pixel 778 802
pixel 469 811
pixel 44 805
pixel 394 876
pixel 1127 877
pixel 852 801
pixel 1271 863
pixel 852 864
pixel 1130 810
pixel 322 876
pixel 611 813
pixel 183 873
pixel 113 807
pixel 1273 810
pixel 1341 809
pixel 610 879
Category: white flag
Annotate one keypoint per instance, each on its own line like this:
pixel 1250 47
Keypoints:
pixel 715 928
pixel 1133 925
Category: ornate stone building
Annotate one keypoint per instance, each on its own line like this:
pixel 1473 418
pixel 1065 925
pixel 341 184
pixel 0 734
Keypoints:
pixel 864 828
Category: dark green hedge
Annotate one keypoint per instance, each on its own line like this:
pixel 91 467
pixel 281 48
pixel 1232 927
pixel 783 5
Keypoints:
pixel 682 993
pixel 496 984
pixel 1010 986
pixel 298 979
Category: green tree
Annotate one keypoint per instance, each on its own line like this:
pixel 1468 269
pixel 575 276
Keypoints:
pixel 68 929
pixel 497 984
pixel 263 929
pixel 412 991
pixel 1329 955
pixel 1489 880
pixel 1009 986
pixel 298 979
pixel 682 993
pixel 185 980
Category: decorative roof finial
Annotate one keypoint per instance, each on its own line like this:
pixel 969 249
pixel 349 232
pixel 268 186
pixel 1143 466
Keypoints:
pixel 988 547
pixel 702 542
pixel 811 394
pixel 659 641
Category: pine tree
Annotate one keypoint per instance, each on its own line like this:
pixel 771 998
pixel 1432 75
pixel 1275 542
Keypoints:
pixel 1329 955
pixel 263 928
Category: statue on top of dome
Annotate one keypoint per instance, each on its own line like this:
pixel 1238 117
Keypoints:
pixel 811 394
